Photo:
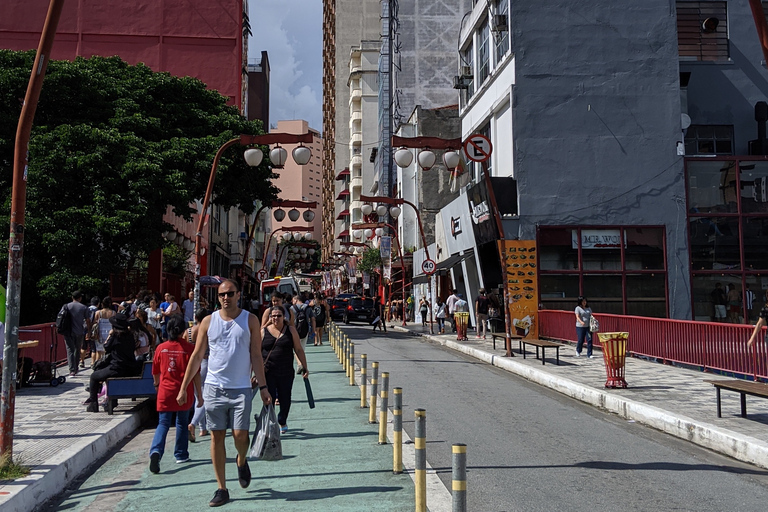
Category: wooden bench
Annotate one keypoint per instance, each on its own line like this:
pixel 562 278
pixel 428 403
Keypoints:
pixel 543 344
pixel 141 386
pixel 503 338
pixel 743 387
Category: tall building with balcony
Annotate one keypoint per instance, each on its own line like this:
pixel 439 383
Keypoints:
pixel 345 24
pixel 363 125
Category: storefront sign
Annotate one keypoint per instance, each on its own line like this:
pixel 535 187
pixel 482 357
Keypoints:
pixel 597 239
pixel 385 249
pixel 457 233
pixel 522 286
pixel 483 222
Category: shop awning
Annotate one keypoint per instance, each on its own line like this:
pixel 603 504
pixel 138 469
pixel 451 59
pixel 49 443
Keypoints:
pixel 343 234
pixel 345 213
pixel 344 193
pixel 421 279
pixel 343 174
pixel 453 260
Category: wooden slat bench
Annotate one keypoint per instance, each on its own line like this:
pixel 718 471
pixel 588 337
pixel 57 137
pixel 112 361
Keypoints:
pixel 503 338
pixel 141 386
pixel 743 387
pixel 543 344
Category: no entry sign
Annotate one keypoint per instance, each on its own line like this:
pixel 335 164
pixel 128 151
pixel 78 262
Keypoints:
pixel 478 147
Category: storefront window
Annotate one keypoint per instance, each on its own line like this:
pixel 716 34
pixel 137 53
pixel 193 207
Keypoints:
pixel 638 287
pixel 644 249
pixel 557 251
pixel 754 187
pixel 714 243
pixel 646 295
pixel 712 187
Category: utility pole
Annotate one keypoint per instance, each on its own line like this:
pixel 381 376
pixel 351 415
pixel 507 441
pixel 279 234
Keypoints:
pixel 16 238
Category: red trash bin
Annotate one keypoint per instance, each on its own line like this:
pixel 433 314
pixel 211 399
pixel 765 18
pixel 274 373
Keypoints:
pixel 615 355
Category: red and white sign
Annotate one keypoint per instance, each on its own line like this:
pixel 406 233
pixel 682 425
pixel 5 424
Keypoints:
pixel 262 275
pixel 478 147
pixel 429 266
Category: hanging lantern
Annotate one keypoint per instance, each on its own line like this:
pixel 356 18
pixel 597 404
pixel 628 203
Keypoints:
pixel 379 231
pixel 395 211
pixel 309 215
pixel 301 155
pixel 381 210
pixel 307 236
pixel 287 236
pixel 294 215
pixel 426 159
pixel 403 157
pixel 366 209
pixel 451 159
pixel 368 232
pixel 279 214
pixel 278 156
pixel 253 157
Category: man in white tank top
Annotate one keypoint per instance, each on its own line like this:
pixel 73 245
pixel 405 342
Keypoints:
pixel 234 338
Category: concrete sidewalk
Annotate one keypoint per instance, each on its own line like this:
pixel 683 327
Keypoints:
pixel 332 461
pixel 672 399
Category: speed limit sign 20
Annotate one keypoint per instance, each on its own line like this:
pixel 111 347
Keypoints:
pixel 429 266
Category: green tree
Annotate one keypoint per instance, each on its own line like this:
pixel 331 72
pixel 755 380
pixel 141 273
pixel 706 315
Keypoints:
pixel 112 146
pixel 370 261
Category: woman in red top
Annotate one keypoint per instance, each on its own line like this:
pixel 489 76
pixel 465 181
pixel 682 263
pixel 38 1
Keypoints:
pixel 168 368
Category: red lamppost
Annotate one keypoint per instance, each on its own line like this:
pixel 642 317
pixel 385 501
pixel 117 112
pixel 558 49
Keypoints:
pixel 395 212
pixel 308 216
pixel 278 156
pixel 288 235
pixel 380 225
pixel 451 158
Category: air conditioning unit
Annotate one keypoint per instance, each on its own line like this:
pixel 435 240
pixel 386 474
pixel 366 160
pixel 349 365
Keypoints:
pixel 499 23
pixel 466 71
pixel 461 82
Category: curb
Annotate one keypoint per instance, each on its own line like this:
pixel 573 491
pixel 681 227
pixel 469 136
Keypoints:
pixel 727 442
pixel 48 480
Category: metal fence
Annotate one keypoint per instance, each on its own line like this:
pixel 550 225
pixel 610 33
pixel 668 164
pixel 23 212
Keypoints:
pixel 708 345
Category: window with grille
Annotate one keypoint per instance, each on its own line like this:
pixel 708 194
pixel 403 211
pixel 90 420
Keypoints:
pixel 483 53
pixel 701 139
pixel 702 31
pixel 502 37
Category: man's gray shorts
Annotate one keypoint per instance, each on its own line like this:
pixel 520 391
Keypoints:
pixel 227 408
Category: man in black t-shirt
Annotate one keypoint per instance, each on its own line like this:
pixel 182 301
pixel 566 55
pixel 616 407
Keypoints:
pixel 719 300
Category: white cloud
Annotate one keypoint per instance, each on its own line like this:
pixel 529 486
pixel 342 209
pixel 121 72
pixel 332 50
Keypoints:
pixel 291 33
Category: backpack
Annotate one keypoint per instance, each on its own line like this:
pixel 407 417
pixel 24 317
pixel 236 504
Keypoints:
pixel 302 322
pixel 319 311
pixel 64 320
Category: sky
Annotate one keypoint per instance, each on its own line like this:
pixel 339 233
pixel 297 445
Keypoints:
pixel 291 32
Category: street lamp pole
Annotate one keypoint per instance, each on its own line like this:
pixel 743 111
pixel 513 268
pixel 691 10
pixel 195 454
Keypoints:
pixel 396 201
pixel 16 237
pixel 287 229
pixel 374 225
pixel 243 140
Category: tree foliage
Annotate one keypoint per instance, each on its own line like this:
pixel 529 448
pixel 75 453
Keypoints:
pixel 371 260
pixel 112 146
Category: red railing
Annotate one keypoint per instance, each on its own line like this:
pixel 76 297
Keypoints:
pixel 709 345
pixel 47 337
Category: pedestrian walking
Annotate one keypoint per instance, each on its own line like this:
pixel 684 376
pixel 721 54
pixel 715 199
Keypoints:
pixel 198 417
pixel 280 344
pixel 482 303
pixel 234 338
pixel 88 347
pixel 583 314
pixel 154 318
pixel 379 311
pixel 734 304
pixel 322 312
pixel 451 304
pixel 424 311
pixel 304 323
pixel 168 371
pixel 79 324
pixel 277 299
pixel 441 315
pixel 410 304
pixel 119 361
pixel 101 319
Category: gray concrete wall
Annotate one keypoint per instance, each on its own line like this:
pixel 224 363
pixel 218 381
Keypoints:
pixel 725 92
pixel 596 120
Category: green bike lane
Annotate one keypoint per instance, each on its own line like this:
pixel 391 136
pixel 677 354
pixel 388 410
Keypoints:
pixel 332 461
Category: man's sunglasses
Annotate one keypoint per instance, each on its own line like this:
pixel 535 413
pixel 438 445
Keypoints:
pixel 227 294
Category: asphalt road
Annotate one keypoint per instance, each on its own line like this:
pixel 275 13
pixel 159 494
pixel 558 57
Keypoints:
pixel 531 449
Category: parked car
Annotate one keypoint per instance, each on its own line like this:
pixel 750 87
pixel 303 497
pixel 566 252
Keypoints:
pixel 359 309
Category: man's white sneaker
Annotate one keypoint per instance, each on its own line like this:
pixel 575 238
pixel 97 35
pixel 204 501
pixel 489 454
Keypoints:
pixel 578 355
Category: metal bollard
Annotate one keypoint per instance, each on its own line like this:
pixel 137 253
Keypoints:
pixel 420 466
pixel 363 378
pixel 374 391
pixel 352 364
pixel 459 477
pixel 346 356
pixel 397 431
pixel 384 408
